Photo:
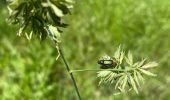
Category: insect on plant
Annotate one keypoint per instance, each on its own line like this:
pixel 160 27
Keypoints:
pixel 107 62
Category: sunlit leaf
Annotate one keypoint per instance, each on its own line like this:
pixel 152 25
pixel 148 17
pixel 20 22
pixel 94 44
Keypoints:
pixel 140 76
pixel 70 1
pixel 15 3
pixel 103 73
pixel 56 10
pixel 130 57
pixel 147 72
pixel 111 77
pixel 121 57
pixel 124 82
pixel 117 53
pixel 119 81
pixel 149 65
pixel 133 84
pixel 136 78
pixel 141 63
pixel 55 34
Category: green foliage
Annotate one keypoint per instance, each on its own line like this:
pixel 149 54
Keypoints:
pixel 38 17
pixel 34 16
pixel 141 25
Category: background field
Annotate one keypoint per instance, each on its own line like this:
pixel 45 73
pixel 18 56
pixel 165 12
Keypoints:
pixel 28 70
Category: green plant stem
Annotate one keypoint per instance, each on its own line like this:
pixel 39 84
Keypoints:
pixel 71 75
pixel 83 70
pixel 65 62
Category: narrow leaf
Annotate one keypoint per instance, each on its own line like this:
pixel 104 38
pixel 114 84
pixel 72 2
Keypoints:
pixel 127 60
pixel 140 76
pixel 54 33
pixel 103 73
pixel 124 82
pixel 56 10
pixel 149 65
pixel 118 82
pixel 136 78
pixel 141 63
pixel 147 72
pixel 133 84
pixel 130 58
pixel 111 77
pixel 117 53
pixel 121 57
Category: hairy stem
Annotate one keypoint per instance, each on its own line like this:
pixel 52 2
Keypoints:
pixel 71 75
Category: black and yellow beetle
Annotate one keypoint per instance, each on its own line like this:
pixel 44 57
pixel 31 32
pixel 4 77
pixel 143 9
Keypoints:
pixel 107 62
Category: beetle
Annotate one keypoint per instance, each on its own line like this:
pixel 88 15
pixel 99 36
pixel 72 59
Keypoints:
pixel 107 62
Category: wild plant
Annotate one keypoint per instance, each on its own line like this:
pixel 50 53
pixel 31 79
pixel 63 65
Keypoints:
pixel 44 18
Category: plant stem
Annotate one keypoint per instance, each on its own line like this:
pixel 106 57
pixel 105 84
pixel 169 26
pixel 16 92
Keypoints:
pixel 71 75
pixel 122 70
pixel 65 62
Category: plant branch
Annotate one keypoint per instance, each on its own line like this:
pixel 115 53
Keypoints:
pixel 65 62
pixel 121 70
pixel 71 75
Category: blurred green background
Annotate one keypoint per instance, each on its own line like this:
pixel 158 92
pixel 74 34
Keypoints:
pixel 29 71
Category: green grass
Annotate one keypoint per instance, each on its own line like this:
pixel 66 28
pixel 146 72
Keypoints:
pixel 28 69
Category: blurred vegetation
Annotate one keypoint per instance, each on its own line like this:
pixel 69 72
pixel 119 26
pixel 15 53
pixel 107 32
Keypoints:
pixel 28 69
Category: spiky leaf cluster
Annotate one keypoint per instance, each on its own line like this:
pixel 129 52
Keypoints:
pixel 127 75
pixel 37 17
